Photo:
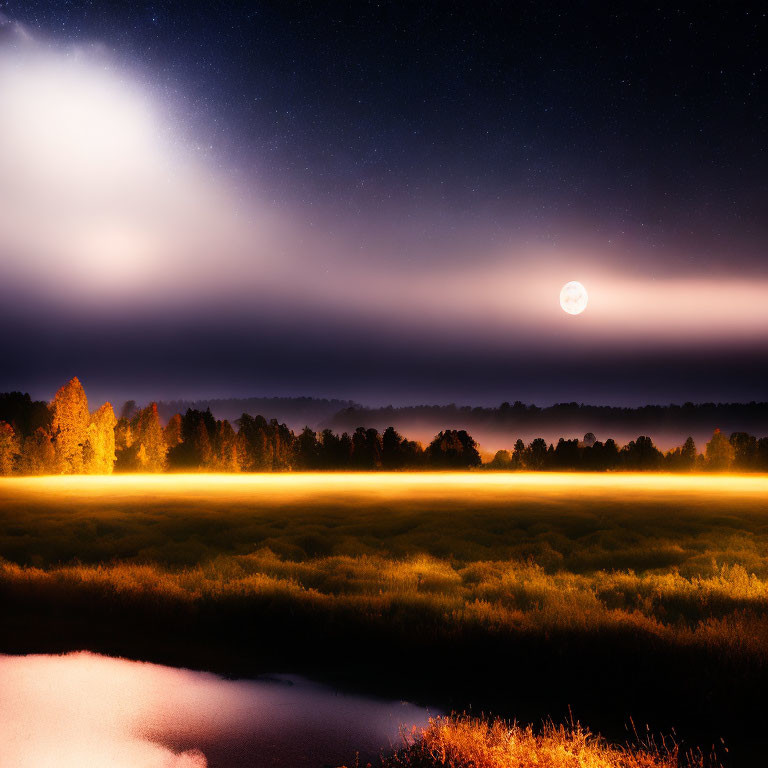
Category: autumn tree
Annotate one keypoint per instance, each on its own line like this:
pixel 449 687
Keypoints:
pixel 9 448
pixel 38 456
pixel 99 452
pixel 70 426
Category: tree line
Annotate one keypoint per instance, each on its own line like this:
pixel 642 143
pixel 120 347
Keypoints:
pixel 65 437
pixel 573 418
pixel 739 452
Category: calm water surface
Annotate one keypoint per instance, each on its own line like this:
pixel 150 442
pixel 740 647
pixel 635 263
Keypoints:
pixel 82 710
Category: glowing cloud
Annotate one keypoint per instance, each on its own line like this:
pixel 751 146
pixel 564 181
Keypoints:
pixel 103 203
pixel 98 197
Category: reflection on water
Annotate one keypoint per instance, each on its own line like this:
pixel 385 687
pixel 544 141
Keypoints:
pixel 83 710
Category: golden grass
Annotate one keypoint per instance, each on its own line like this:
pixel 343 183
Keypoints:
pixel 683 559
pixel 665 576
pixel 466 742
pixel 726 613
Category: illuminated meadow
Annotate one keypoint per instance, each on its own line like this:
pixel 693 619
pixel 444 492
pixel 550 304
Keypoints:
pixel 521 594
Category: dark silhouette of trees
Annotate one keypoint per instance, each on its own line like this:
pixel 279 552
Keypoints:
pixel 391 449
pixel 567 455
pixel 720 453
pixel 264 446
pixel 25 415
pixel 518 455
pixel 641 455
pixel 226 454
pixel 453 449
pixel 335 450
pixel 308 450
pixel 682 459
pixel 366 449
pixel 397 452
pixel 36 438
pixel 129 410
pixel 536 455
pixel 198 434
pixel 745 455
pixel 569 419
pixel 688 455
pixel 501 460
pixel 172 431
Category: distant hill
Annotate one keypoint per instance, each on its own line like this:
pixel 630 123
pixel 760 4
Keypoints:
pixel 296 412
pixel 499 427
pixel 495 428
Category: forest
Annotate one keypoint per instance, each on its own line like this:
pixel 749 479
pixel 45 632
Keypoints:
pixel 65 437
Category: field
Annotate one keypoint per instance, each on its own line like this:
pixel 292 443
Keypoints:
pixel 614 595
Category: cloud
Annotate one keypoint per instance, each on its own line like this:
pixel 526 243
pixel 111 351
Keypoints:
pixel 106 205
pixel 99 198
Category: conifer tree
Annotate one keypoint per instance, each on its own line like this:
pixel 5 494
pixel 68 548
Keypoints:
pixel 688 455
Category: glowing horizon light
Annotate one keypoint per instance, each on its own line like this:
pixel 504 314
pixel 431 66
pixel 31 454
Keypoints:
pixel 573 298
pixel 343 486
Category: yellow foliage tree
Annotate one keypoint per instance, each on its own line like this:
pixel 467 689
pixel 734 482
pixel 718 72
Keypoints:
pixel 38 456
pixel 100 447
pixel 9 448
pixel 70 426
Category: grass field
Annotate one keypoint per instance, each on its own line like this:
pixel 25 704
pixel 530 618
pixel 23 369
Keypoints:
pixel 615 594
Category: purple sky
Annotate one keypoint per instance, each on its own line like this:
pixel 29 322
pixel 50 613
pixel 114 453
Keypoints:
pixel 167 233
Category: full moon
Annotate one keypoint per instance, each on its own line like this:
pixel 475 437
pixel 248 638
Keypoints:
pixel 573 298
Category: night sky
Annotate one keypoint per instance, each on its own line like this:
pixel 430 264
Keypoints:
pixel 382 201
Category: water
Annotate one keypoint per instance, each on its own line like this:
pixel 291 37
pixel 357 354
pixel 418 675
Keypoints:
pixel 83 710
